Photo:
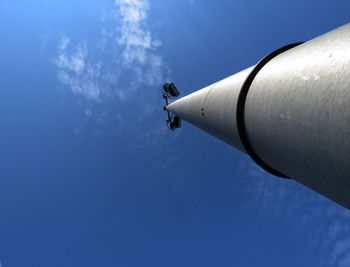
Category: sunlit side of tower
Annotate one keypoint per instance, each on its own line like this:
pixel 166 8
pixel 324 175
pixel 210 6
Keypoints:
pixel 290 113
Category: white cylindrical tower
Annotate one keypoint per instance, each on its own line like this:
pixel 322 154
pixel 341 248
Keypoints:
pixel 290 113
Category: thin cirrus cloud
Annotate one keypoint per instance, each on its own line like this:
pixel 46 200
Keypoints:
pixel 76 72
pixel 131 60
pixel 320 223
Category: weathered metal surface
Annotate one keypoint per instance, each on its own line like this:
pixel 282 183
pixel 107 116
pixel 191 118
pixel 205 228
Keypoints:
pixel 297 113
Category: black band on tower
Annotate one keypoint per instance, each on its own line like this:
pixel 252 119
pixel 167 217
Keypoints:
pixel 240 119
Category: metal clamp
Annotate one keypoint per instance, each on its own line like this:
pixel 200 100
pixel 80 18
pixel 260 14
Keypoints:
pixel 240 119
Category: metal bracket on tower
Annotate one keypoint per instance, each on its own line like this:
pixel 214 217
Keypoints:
pixel 169 91
pixel 240 111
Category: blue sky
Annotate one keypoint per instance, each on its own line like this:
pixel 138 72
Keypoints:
pixel 89 173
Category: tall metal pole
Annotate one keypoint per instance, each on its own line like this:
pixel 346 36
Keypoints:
pixel 290 113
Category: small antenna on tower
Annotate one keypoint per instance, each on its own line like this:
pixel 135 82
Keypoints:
pixel 169 91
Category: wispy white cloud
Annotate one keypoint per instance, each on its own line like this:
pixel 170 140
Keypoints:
pixel 321 224
pixel 76 72
pixel 341 248
pixel 345 261
pixel 123 63
pixel 64 42
pixel 119 70
pixel 138 43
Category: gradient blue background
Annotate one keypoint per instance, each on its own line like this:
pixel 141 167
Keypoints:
pixel 90 181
